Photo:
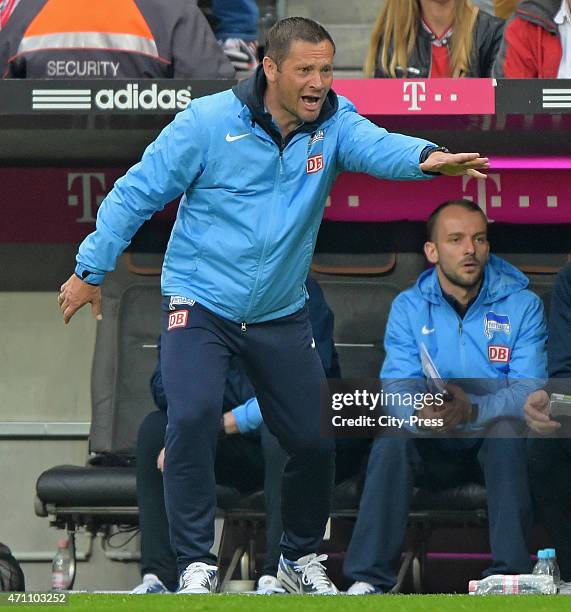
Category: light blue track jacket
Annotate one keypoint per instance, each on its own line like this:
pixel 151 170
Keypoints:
pixel 249 215
pixel 505 315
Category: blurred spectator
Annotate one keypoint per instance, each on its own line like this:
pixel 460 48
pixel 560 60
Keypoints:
pixel 433 38
pixel 237 32
pixel 6 9
pixel 550 455
pixel 500 8
pixel 75 39
pixel 463 311
pixel 537 42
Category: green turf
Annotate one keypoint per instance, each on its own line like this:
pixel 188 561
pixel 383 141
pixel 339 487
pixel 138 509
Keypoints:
pixel 291 603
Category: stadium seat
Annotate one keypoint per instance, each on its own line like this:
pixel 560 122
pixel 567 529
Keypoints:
pixel 102 494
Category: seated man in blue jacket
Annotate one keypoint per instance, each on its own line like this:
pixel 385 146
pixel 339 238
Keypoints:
pixel 247 462
pixel 549 449
pixel 477 319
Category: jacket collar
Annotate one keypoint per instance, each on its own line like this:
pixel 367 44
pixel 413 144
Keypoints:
pixel 251 92
pixel 541 13
pixel 500 280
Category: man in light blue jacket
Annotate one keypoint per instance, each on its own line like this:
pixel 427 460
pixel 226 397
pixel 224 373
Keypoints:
pixel 478 321
pixel 255 165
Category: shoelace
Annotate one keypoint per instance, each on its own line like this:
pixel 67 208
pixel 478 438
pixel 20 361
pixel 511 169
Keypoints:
pixel 313 573
pixel 196 576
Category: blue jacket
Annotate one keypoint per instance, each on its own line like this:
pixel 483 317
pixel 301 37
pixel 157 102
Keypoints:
pixel 252 204
pixel 559 345
pixel 239 393
pixel 505 315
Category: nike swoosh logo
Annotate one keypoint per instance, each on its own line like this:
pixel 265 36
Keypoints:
pixel 425 331
pixel 233 138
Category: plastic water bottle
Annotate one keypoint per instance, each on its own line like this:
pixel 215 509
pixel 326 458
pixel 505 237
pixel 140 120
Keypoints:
pixel 61 567
pixel 522 584
pixel 553 565
pixel 542 567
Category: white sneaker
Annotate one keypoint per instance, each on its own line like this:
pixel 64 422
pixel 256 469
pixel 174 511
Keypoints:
pixel 269 585
pixel 198 578
pixel 306 576
pixel 363 588
pixel 151 584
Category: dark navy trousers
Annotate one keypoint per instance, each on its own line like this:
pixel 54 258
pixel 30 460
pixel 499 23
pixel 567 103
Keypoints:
pixel 380 529
pixel 285 370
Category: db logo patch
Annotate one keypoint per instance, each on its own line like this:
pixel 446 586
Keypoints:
pixel 178 318
pixel 498 354
pixel 314 163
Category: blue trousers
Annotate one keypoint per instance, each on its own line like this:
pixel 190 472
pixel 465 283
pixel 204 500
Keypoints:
pixel 286 372
pixel 380 529
pixel 245 462
pixel 236 19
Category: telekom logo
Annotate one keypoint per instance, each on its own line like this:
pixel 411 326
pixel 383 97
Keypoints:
pixel 415 93
pixel 82 188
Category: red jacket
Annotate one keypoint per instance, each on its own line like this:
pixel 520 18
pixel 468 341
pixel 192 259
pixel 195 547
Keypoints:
pixel 532 46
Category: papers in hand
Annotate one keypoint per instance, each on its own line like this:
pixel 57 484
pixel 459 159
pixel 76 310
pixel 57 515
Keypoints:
pixel 435 382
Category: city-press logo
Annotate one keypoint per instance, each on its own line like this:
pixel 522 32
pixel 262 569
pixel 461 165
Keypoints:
pixel 128 98
pixel 414 92
pixel 496 323
pixel 556 98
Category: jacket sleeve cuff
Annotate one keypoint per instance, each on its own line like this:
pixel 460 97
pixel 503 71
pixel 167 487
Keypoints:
pixel 424 154
pixel 241 418
pixel 88 276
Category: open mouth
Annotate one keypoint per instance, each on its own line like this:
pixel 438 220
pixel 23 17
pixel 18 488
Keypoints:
pixel 311 102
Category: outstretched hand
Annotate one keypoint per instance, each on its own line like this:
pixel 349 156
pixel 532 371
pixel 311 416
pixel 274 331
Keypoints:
pixel 456 164
pixel 75 293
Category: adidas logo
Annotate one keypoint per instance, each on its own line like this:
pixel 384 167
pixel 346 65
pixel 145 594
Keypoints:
pixel 127 98
pixel 130 98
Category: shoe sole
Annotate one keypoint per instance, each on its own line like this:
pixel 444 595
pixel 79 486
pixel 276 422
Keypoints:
pixel 201 592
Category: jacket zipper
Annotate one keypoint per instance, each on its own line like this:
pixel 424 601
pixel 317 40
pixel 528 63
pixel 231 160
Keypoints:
pixel 266 240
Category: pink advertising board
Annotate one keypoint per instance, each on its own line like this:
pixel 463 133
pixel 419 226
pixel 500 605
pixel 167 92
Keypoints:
pixel 60 204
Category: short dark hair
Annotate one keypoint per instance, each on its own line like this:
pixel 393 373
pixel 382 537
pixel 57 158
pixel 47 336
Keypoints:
pixel 285 31
pixel 433 219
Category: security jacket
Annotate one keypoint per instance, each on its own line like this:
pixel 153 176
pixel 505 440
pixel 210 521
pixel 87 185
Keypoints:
pixel 106 39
